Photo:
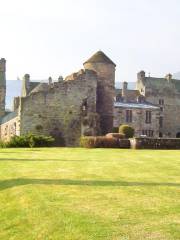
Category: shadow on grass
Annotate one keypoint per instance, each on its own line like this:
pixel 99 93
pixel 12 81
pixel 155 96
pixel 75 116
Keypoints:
pixel 41 160
pixel 26 181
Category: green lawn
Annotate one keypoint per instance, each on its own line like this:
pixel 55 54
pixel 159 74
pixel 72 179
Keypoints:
pixel 81 194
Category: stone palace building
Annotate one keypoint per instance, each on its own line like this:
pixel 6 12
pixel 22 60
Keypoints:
pixel 87 103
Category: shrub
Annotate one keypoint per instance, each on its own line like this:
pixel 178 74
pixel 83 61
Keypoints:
pixel 115 135
pixel 2 144
pixel 18 141
pixel 30 140
pixel 40 141
pixel 127 131
pixel 99 142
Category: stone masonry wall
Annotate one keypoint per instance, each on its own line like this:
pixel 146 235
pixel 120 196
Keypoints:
pixel 10 128
pixel 59 112
pixel 138 120
pixel 170 111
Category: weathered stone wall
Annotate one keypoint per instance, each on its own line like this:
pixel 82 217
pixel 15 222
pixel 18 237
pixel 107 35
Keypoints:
pixel 60 111
pixel 10 128
pixel 105 93
pixel 138 120
pixel 170 110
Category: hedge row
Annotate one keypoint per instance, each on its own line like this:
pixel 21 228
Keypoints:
pixel 115 135
pixel 104 142
pixel 29 140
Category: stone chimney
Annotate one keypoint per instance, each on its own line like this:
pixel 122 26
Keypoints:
pixel 50 80
pixel 168 77
pixel 141 75
pixel 60 79
pixel 25 85
pixel 124 89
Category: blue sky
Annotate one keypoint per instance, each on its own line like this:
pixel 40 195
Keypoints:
pixel 54 37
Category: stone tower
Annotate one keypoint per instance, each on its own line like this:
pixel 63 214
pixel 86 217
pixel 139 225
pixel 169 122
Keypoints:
pixel 2 86
pixel 105 70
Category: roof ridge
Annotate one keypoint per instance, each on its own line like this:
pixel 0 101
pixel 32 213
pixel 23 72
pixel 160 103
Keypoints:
pixel 100 57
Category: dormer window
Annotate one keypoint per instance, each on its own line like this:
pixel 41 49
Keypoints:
pixel 140 99
pixel 119 98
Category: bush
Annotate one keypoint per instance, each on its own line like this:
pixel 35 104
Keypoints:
pixel 40 141
pixel 2 144
pixel 115 135
pixel 18 141
pixel 30 140
pixel 99 142
pixel 127 131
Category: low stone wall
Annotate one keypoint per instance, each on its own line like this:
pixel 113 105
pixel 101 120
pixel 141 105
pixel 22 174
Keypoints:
pixel 124 143
pixel 155 143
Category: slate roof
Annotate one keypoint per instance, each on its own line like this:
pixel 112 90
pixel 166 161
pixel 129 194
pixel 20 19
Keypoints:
pixel 131 95
pixel 136 105
pixel 32 85
pixel 41 87
pixel 8 117
pixel 159 83
pixel 100 57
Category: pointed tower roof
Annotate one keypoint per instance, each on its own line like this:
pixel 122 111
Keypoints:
pixel 100 57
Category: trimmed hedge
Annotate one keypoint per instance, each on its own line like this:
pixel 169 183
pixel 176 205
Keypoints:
pixel 29 140
pixel 127 131
pixel 99 142
pixel 104 142
pixel 115 135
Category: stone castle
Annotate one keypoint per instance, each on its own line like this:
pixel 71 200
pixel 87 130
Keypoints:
pixel 87 103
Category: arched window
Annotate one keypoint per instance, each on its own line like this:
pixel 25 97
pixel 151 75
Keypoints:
pixel 84 107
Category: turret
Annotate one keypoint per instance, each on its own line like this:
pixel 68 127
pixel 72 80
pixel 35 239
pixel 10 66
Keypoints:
pixel 105 70
pixel 2 86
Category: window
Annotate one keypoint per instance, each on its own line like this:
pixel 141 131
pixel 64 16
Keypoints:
pixel 160 134
pixel 161 101
pixel 84 107
pixel 148 116
pixel 160 122
pixel 128 116
pixel 148 133
pixel 140 99
pixel 119 98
